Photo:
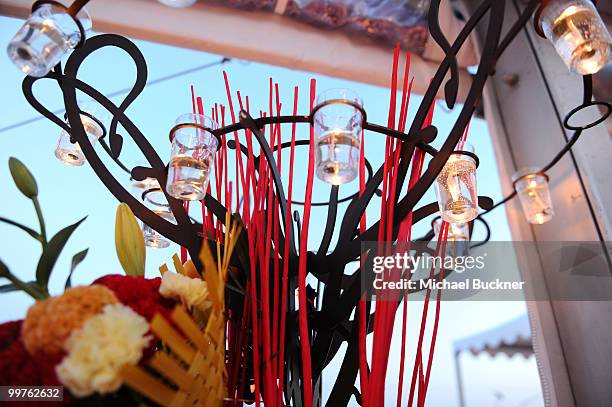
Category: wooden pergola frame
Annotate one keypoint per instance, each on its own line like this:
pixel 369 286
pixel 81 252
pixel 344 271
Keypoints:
pixel 240 34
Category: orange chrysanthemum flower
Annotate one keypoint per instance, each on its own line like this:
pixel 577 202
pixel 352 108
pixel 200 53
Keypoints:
pixel 48 323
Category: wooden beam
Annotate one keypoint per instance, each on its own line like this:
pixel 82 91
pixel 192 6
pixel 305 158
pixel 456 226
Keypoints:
pixel 257 36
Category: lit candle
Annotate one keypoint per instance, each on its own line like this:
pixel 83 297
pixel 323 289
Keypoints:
pixel 456 188
pixel 456 231
pixel 577 32
pixel 191 161
pixel 531 185
pixel 457 238
pixel 155 200
pixel 141 186
pixel 46 36
pixel 93 122
pixel 338 126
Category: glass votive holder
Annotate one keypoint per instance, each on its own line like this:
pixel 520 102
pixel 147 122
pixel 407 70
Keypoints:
pixel 70 153
pixel 456 187
pixel 531 186
pixel 338 122
pixel 155 200
pixel 140 186
pixel 576 30
pixel 191 161
pixel 457 237
pixel 46 36
pixel 456 231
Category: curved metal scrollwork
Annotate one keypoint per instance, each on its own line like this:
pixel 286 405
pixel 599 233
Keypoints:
pixel 332 323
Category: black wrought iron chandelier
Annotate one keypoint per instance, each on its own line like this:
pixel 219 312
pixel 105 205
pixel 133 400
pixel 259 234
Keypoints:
pixel 53 30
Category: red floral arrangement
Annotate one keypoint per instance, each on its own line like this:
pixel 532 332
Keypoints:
pixel 85 338
pixel 18 367
pixel 138 293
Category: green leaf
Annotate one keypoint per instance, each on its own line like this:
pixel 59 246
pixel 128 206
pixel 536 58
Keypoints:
pixel 9 288
pixel 41 222
pixel 26 229
pixel 51 252
pixel 76 260
pixel 129 242
pixel 23 178
pixel 31 288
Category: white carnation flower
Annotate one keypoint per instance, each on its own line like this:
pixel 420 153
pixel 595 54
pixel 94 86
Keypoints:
pixel 100 348
pixel 193 292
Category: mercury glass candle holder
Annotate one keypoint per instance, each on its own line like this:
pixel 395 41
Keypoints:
pixel 531 186
pixel 577 32
pixel 46 36
pixel 191 161
pixel 93 121
pixel 456 187
pixel 338 122
pixel 155 200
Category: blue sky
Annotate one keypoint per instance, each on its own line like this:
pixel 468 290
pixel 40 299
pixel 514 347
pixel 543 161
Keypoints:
pixel 69 193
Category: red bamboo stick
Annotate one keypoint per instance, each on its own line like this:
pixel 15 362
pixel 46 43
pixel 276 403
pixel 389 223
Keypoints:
pixel 265 253
pixel 406 93
pixel 376 395
pixel 254 316
pixel 276 237
pixel 239 167
pixel 302 312
pixel 432 346
pixel 417 368
pixel 250 177
pixel 288 232
pixel 417 362
pixel 363 357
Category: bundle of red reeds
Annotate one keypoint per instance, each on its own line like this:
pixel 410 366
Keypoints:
pixel 256 338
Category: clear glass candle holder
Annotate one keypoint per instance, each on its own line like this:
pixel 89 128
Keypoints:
pixel 531 186
pixel 338 126
pixel 140 186
pixel 155 200
pixel 46 36
pixel 456 231
pixel 457 238
pixel 191 159
pixel 577 32
pixel 456 187
pixel 93 121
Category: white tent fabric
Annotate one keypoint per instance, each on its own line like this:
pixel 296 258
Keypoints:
pixel 510 338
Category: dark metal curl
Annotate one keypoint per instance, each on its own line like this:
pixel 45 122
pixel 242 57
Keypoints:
pixel 342 292
pixel 587 100
pixel 583 106
pixel 181 233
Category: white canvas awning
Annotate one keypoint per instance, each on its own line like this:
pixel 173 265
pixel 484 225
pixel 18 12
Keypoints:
pixel 510 338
